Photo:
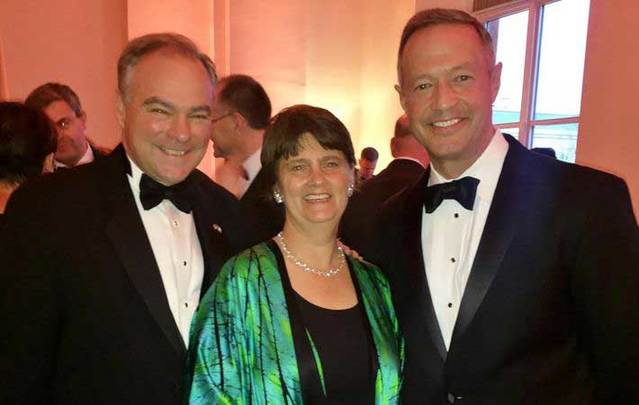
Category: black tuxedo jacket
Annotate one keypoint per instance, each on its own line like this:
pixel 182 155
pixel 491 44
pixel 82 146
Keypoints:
pixel 265 216
pixel 550 314
pixel 363 207
pixel 85 319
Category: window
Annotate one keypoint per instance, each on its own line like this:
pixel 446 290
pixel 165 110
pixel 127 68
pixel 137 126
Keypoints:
pixel 542 44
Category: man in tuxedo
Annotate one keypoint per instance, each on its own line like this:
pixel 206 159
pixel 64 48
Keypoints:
pixel 408 165
pixel 96 310
pixel 62 105
pixel 514 276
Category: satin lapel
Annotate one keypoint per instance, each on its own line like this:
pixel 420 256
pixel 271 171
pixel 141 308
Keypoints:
pixel 128 236
pixel 214 212
pixel 416 282
pixel 210 235
pixel 501 224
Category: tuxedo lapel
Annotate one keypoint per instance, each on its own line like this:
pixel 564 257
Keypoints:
pixel 416 280
pixel 211 236
pixel 204 237
pixel 128 236
pixel 501 224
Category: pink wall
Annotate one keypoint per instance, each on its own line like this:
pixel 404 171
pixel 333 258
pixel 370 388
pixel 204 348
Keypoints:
pixel 459 4
pixel 379 103
pixel 192 18
pixel 267 40
pixel 71 41
pixel 335 54
pixel 4 91
pixel 609 133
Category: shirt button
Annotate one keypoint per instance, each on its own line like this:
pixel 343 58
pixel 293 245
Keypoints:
pixel 186 304
pixel 456 215
pixel 184 263
pixel 176 223
pixel 450 305
pixel 452 260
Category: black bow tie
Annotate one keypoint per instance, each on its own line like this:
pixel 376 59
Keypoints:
pixel 152 193
pixel 462 190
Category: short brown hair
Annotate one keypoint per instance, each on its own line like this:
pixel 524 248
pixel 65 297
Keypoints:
pixel 245 95
pixel 43 95
pixel 440 16
pixel 146 44
pixel 369 153
pixel 283 135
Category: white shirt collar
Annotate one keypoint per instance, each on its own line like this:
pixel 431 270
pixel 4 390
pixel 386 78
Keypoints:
pixel 135 175
pixel 88 157
pixel 486 168
pixel 252 165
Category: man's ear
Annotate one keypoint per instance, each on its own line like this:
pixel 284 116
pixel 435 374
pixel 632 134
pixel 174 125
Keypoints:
pixel 495 81
pixel 239 120
pixel 398 89
pixel 120 110
pixel 83 120
pixel 394 143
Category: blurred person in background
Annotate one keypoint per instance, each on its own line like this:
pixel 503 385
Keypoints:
pixel 62 105
pixel 367 163
pixel 409 164
pixel 27 144
pixel 240 113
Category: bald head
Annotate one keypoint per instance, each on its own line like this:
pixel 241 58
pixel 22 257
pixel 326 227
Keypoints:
pixel 405 145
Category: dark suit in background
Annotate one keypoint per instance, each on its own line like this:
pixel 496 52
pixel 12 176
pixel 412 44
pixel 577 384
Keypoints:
pixel 99 152
pixel 260 210
pixel 366 202
pixel 550 314
pixel 85 319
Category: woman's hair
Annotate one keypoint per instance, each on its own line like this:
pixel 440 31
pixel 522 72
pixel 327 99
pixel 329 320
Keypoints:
pixel 27 137
pixel 283 136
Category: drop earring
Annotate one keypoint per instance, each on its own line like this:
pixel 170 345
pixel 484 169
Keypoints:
pixel 278 197
pixel 349 190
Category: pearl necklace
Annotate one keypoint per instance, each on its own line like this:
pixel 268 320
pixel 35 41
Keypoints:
pixel 300 263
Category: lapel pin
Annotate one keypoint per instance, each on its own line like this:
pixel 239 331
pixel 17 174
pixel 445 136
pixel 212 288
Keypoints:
pixel 217 228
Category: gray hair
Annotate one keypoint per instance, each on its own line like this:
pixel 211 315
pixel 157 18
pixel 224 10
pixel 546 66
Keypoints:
pixel 441 16
pixel 146 44
pixel 43 95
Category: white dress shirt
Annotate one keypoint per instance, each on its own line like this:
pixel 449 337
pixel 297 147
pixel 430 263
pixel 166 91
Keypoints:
pixel 450 235
pixel 252 166
pixel 177 252
pixel 88 157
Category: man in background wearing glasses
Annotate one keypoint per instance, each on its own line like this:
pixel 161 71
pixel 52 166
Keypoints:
pixel 62 105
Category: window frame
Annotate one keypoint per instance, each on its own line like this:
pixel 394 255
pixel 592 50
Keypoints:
pixel 526 121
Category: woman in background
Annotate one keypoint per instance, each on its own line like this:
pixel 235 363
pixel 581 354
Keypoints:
pixel 27 144
pixel 295 319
